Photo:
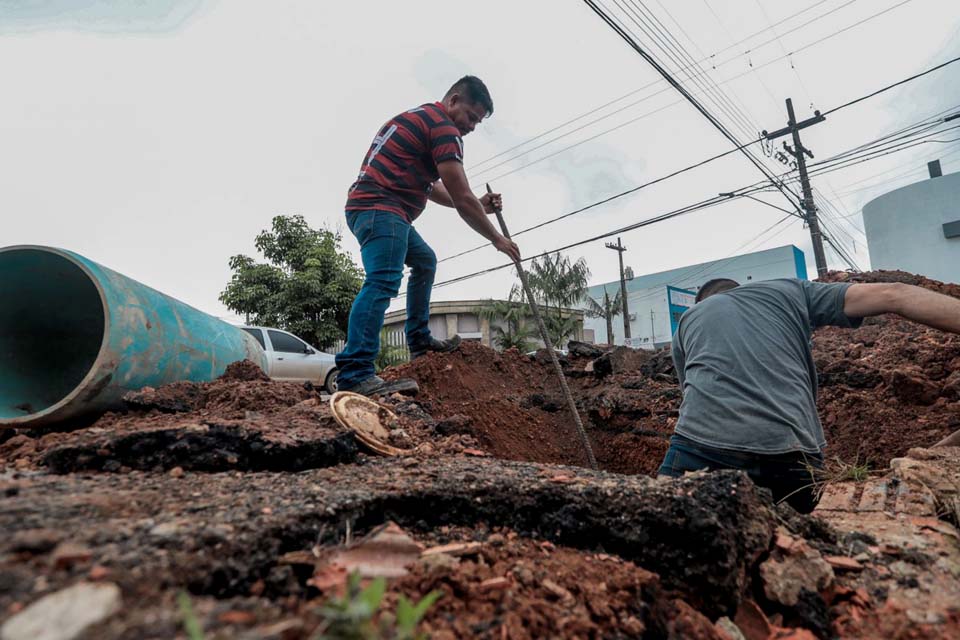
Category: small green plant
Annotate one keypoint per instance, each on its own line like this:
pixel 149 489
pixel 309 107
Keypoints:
pixel 832 471
pixel 855 471
pixel 191 625
pixel 390 353
pixel 355 615
pixel 409 615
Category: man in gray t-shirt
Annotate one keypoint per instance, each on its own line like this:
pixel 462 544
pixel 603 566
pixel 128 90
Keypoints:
pixel 743 357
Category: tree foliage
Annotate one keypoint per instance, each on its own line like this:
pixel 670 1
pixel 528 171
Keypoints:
pixel 557 283
pixel 512 329
pixel 609 309
pixel 306 286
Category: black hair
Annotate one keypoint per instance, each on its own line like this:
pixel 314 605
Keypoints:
pixel 717 285
pixel 474 90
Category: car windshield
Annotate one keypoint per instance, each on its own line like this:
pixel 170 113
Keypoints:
pixel 256 333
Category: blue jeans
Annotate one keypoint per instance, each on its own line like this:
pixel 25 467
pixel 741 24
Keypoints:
pixel 387 242
pixel 787 475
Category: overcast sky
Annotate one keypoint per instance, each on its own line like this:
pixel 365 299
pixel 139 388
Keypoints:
pixel 158 138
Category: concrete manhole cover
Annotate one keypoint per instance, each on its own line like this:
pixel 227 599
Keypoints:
pixel 367 420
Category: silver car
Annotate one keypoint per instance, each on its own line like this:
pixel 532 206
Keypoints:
pixel 290 358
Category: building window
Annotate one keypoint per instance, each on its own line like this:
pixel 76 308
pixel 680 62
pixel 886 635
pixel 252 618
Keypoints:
pixel 468 323
pixel 438 326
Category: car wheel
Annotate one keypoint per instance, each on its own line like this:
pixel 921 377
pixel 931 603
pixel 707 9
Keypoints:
pixel 331 382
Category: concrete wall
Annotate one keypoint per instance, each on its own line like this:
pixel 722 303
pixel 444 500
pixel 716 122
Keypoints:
pixel 449 318
pixel 905 228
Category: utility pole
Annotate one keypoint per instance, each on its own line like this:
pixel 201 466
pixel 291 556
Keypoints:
pixel 619 248
pixel 798 152
pixel 608 311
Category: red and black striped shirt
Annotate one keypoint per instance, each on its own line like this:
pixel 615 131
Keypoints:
pixel 400 167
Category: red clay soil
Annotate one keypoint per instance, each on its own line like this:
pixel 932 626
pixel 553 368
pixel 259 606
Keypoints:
pixel 518 411
pixel 494 389
pixel 241 406
pixel 886 387
pixel 890 385
pixel 524 589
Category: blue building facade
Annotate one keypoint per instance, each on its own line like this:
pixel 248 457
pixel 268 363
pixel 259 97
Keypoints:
pixel 657 300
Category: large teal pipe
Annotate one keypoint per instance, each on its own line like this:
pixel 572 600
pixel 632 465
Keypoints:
pixel 75 336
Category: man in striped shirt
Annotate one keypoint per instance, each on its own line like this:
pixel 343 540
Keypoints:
pixel 417 155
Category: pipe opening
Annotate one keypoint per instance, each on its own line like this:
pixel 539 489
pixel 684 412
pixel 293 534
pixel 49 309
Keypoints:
pixel 51 330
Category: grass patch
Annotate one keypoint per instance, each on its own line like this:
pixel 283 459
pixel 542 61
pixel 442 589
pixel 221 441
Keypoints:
pixel 191 625
pixel 833 471
pixel 357 615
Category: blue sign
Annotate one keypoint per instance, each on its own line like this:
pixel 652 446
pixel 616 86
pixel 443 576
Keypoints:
pixel 678 301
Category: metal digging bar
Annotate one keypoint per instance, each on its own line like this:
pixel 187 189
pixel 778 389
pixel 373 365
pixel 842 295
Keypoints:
pixel 535 310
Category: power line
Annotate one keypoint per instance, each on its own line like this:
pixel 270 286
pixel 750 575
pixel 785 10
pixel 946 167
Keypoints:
pixel 693 101
pixel 605 200
pixel 700 53
pixel 705 89
pixel 576 144
pixel 704 204
pixel 891 86
pixel 708 269
pixel 879 153
pixel 697 206
pixel 642 88
pixel 783 49
pixel 756 75
pixel 887 181
pixel 753 69
pixel 670 46
pixel 684 170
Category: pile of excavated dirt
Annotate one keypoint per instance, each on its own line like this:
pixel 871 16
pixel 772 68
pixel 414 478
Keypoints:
pixel 512 404
pixel 220 489
pixel 243 420
pixel 884 388
pixel 889 385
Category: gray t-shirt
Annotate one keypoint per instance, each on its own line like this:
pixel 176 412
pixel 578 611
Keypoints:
pixel 746 368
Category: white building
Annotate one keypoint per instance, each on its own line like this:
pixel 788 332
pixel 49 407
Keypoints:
pixel 917 228
pixel 656 301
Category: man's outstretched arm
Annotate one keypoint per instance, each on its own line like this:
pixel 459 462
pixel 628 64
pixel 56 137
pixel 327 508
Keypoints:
pixel 491 201
pixel 913 303
pixel 471 209
pixel 440 195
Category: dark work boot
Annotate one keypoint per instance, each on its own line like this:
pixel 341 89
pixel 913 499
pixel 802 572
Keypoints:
pixel 438 346
pixel 375 385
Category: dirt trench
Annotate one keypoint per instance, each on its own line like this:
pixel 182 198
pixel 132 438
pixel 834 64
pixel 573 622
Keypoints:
pixel 208 486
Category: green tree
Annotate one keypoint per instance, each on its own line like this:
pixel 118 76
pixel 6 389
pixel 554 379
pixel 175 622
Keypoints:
pixel 514 331
pixel 557 283
pixel 608 310
pixel 306 286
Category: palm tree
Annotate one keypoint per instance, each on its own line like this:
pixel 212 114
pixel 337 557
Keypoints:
pixel 390 353
pixel 558 283
pixel 514 332
pixel 610 309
